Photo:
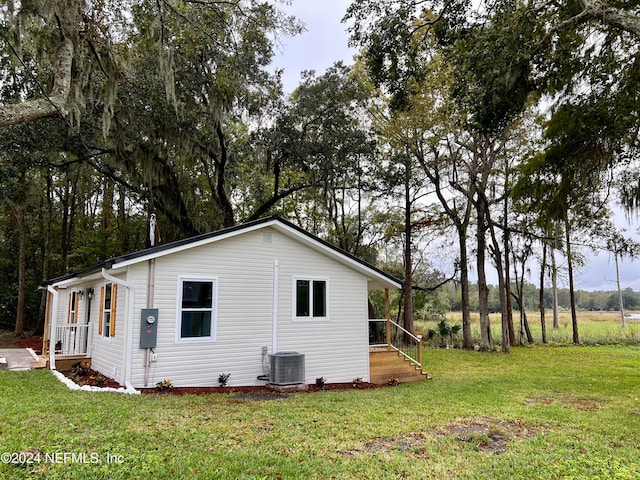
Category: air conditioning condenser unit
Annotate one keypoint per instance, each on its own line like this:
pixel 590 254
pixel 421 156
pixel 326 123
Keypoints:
pixel 287 368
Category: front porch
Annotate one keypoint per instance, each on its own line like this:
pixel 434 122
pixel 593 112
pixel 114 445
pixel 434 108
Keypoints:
pixel 70 346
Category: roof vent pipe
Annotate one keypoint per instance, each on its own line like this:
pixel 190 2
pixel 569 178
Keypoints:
pixel 154 230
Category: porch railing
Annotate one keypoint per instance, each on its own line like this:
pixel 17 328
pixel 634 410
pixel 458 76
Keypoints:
pixel 387 333
pixel 71 339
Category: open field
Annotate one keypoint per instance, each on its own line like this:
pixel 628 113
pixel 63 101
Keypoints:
pixel 594 328
pixel 540 412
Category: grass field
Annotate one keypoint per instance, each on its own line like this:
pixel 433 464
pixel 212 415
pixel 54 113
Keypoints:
pixel 594 328
pixel 540 412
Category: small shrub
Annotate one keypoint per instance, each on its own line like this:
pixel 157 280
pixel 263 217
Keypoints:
pixel 79 369
pixel 444 332
pixel 164 385
pixel 100 380
pixel 78 373
pixel 393 381
pixel 320 381
pixel 223 378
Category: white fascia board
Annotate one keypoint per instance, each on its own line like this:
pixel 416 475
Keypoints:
pixel 65 283
pixel 77 280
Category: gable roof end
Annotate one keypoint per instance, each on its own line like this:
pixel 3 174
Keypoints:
pixel 381 278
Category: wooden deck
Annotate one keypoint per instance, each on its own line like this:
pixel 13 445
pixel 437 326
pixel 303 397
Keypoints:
pixel 63 362
pixel 384 364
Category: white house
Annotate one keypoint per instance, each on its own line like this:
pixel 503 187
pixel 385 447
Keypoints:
pixel 220 303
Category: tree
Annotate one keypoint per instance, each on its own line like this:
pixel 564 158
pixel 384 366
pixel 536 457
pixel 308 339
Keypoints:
pixel 621 247
pixel 318 160
pixel 425 131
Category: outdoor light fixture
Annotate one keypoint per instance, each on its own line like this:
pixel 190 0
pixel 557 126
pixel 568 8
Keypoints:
pixel 89 293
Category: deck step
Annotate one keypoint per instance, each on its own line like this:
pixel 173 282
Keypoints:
pixel 386 364
pixel 65 362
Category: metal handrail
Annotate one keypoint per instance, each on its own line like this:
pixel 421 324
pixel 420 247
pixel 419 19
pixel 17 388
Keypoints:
pixel 400 347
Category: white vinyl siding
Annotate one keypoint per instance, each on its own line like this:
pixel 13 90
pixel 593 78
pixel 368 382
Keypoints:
pixel 337 350
pixel 107 353
pixel 243 267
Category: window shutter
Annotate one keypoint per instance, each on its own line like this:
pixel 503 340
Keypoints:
pixel 101 311
pixel 69 309
pixel 114 302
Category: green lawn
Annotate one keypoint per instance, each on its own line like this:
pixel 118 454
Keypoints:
pixel 540 412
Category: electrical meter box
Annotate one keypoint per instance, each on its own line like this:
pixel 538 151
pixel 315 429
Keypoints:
pixel 148 327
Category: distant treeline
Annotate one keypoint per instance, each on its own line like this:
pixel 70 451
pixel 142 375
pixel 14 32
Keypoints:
pixel 430 306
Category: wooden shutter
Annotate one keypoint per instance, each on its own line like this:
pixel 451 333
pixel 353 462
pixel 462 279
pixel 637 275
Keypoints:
pixel 75 315
pixel 69 309
pixel 114 300
pixel 101 311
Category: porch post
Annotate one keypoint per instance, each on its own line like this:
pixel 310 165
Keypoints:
pixel 47 313
pixel 419 337
pixel 53 326
pixel 387 314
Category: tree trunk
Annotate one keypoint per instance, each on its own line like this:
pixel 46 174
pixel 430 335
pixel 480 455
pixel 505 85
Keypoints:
pixel 601 11
pixel 46 216
pixel 572 294
pixel 519 298
pixel 483 289
pixel 467 339
pixel 33 110
pixel 543 264
pixel 221 181
pixel 507 279
pixel 408 261
pixel 554 288
pixel 497 256
pixel 526 326
pixel 22 265
pixel 623 322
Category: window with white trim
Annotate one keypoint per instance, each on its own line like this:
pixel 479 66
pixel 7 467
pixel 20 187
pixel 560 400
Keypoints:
pixel 310 298
pixel 197 309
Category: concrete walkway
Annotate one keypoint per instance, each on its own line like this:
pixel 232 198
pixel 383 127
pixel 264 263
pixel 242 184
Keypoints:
pixel 16 359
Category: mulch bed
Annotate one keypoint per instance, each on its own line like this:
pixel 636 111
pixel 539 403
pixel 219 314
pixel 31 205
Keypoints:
pixel 255 392
pixel 93 378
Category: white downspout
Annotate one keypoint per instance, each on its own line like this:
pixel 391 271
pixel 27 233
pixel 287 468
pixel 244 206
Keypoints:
pixel 53 325
pixel 276 294
pixel 128 344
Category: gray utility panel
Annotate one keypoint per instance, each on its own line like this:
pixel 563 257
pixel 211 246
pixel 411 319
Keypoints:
pixel 148 327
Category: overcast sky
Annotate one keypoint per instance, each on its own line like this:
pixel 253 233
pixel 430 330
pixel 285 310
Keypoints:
pixel 326 41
